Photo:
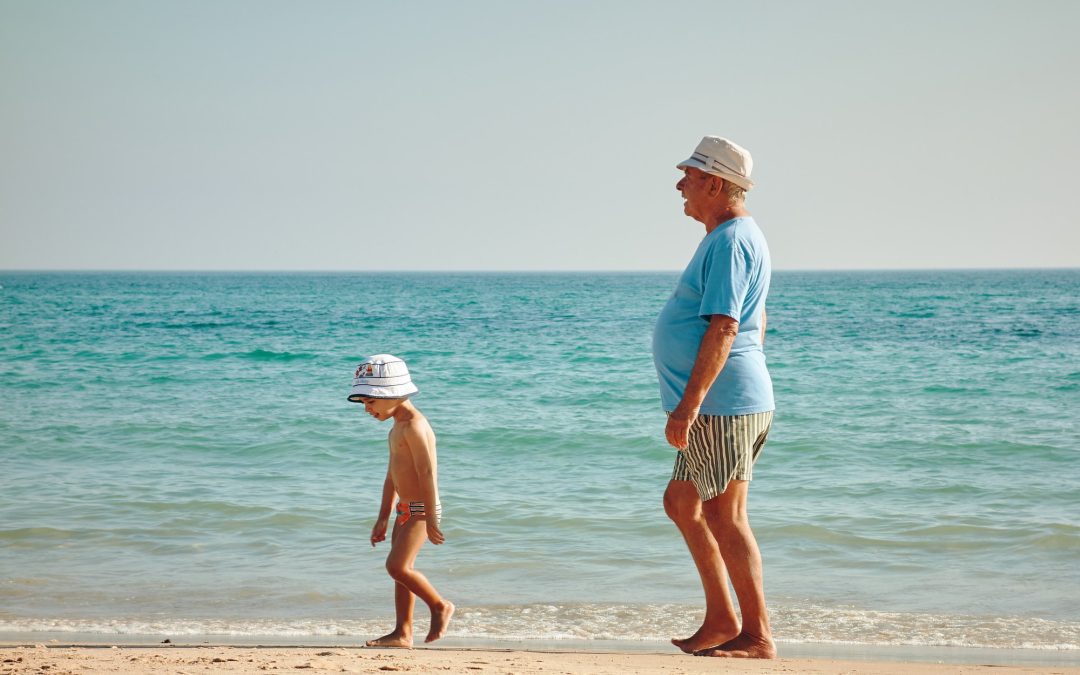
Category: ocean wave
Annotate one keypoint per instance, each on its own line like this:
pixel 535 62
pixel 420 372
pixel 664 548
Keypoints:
pixel 261 355
pixel 612 622
pixel 34 534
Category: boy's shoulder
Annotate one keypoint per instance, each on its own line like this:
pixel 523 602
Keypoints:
pixel 415 422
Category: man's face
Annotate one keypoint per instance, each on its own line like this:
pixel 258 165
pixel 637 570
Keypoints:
pixel 694 187
pixel 380 408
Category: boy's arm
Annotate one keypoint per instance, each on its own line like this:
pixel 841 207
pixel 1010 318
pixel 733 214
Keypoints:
pixel 378 533
pixel 422 447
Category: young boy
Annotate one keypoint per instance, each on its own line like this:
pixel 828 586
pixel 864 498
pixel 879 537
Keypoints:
pixel 382 383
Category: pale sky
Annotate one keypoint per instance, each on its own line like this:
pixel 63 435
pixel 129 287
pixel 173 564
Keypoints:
pixel 512 135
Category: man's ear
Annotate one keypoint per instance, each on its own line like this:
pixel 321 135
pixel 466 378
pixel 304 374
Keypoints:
pixel 715 185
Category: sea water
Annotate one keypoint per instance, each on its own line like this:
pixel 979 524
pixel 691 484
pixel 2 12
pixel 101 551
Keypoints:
pixel 177 456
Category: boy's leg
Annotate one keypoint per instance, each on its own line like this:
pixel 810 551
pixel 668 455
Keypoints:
pixel 401 636
pixel 400 566
pixel 404 600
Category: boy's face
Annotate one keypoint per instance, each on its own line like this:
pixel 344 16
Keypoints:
pixel 381 409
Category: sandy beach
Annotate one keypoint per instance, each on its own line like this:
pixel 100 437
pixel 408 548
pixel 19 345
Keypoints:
pixel 234 659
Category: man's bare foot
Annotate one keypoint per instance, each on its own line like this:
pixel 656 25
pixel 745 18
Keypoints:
pixel 743 647
pixel 440 619
pixel 395 640
pixel 705 637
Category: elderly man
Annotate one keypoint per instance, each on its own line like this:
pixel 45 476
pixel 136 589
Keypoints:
pixel 707 346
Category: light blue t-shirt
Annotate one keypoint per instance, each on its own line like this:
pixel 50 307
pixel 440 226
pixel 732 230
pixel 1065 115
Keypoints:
pixel 729 274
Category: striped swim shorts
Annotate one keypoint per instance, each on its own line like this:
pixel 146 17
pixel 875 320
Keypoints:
pixel 414 509
pixel 722 448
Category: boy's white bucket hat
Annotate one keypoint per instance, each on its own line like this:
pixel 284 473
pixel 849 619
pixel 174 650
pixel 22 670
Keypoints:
pixel 382 376
pixel 723 158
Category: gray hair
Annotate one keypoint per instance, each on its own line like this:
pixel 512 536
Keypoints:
pixel 735 194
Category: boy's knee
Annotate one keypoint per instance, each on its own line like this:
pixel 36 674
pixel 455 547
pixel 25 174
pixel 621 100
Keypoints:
pixel 396 570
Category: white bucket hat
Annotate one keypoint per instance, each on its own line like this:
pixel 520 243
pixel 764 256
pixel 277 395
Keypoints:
pixel 382 376
pixel 721 157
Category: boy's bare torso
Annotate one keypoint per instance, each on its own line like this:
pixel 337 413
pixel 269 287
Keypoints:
pixel 407 482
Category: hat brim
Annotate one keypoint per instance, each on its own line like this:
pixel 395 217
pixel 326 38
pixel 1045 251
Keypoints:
pixel 693 162
pixel 362 391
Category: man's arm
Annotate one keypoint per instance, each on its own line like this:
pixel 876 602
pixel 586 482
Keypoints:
pixel 422 448
pixel 711 356
pixel 764 321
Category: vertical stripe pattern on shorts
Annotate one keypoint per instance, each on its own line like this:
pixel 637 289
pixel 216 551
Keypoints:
pixel 722 448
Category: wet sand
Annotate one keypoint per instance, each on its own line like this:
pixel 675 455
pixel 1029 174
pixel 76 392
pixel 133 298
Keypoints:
pixel 137 659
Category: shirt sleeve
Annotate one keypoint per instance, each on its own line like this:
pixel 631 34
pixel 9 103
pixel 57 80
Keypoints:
pixel 726 280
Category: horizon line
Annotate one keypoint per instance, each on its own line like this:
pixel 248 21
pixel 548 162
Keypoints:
pixel 180 270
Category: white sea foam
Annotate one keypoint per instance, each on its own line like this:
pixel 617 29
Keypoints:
pixel 612 622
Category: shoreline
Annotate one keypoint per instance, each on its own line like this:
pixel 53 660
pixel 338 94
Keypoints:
pixel 933 655
pixel 250 660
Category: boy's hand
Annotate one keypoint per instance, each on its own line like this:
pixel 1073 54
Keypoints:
pixel 434 534
pixel 378 533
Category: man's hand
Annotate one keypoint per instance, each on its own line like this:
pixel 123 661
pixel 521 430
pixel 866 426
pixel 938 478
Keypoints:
pixel 710 359
pixel 678 426
pixel 434 534
pixel 378 533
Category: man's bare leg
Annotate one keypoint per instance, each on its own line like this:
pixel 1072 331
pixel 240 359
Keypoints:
pixel 727 518
pixel 683 506
pixel 400 566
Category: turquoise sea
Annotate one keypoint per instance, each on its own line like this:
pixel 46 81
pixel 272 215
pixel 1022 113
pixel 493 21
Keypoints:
pixel 177 457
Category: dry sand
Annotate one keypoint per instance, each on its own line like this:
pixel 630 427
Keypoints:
pixel 229 659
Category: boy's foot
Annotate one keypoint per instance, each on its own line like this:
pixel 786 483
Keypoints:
pixel 440 619
pixel 703 639
pixel 394 640
pixel 743 647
